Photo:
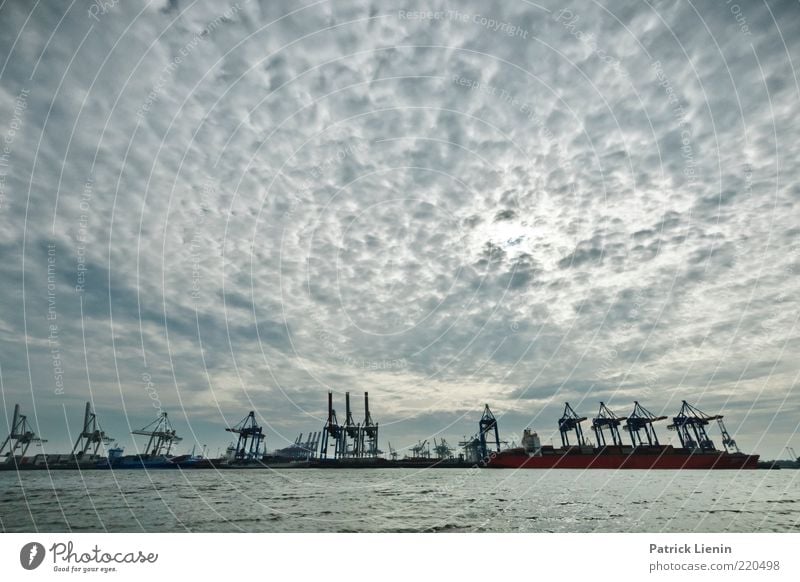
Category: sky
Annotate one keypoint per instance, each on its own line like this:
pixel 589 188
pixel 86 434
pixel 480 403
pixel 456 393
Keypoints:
pixel 208 208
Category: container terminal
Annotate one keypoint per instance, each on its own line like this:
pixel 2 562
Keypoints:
pixel 354 444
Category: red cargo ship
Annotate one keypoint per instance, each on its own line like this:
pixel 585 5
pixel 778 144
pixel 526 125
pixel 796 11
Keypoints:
pixel 656 457
pixel 697 451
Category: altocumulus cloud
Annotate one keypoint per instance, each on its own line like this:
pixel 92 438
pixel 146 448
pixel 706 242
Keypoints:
pixel 217 207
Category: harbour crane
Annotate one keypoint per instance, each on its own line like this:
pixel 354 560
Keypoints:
pixel 334 430
pixel 421 450
pixel 20 438
pixel 311 444
pixel 162 436
pixel 570 421
pixel 91 434
pixel 472 449
pixel 250 438
pixel 690 424
pixel 606 419
pixel 352 431
pixel 368 445
pixel 488 425
pixel 639 420
pixel 392 452
pixel 442 450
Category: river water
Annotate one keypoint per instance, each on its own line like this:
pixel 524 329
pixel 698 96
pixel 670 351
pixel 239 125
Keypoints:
pixel 400 500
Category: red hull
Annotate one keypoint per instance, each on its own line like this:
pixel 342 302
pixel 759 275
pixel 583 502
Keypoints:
pixel 665 457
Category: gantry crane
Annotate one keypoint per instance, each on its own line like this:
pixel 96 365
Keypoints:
pixel 20 437
pixel 333 430
pixel 442 450
pixel 91 434
pixel 606 419
pixel 472 449
pixel 311 444
pixel 570 421
pixel 352 431
pixel 251 438
pixel 642 419
pixel 162 436
pixel 488 425
pixel 368 445
pixel 421 450
pixel 690 424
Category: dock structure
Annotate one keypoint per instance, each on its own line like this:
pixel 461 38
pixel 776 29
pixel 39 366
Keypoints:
pixel 355 445
pixel 162 436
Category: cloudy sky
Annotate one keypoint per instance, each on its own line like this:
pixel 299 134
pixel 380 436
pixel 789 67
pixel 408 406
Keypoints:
pixel 215 207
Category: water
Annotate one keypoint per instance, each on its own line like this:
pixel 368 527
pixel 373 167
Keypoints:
pixel 401 500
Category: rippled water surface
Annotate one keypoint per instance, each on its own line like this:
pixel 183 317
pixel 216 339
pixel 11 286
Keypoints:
pixel 405 500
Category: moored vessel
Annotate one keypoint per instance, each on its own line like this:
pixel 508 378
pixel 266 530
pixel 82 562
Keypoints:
pixel 697 450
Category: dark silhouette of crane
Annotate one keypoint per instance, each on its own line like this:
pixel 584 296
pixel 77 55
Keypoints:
pixel 640 420
pixel 21 436
pixel 162 436
pixel 352 431
pixel 487 426
pixel 607 420
pixel 570 421
pixel 91 435
pixel 368 445
pixel 333 430
pixel 690 424
pixel 250 438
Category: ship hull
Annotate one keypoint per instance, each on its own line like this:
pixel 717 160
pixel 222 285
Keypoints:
pixel 660 458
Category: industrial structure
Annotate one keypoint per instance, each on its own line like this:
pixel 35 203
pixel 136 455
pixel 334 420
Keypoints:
pixel 91 435
pixel 442 450
pixel 162 436
pixel 301 450
pixel 368 443
pixel 421 450
pixel 249 441
pixel 351 440
pixel 690 424
pixel 478 448
pixel 332 434
pixel 19 438
pixel 355 445
pixel 487 426
pixel 697 451
pixel 641 420
pixel 570 421
pixel 352 432
pixel 607 421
